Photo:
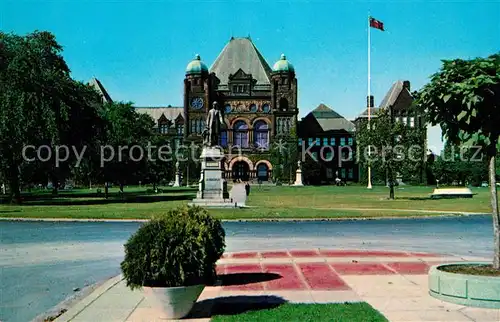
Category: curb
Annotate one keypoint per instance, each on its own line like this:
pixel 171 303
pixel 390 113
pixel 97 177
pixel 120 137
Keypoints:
pixel 424 216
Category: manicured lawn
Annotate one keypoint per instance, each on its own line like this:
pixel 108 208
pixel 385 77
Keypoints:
pixel 354 312
pixel 333 197
pixel 267 202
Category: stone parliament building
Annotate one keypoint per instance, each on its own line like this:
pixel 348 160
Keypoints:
pixel 259 104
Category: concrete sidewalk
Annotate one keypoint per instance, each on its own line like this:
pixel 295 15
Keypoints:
pixel 395 283
pixel 238 194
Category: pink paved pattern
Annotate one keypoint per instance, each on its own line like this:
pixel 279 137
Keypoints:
pixel 361 269
pixel 312 269
pixel 409 268
pixel 327 253
pixel 320 276
pixel 289 280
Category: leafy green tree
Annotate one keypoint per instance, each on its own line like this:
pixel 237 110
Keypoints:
pixel 464 99
pixel 128 135
pixel 460 164
pixel 40 104
pixel 311 170
pixel 283 155
pixel 390 147
pixel 160 167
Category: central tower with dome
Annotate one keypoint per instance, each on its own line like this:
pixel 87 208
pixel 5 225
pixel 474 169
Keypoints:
pixel 259 105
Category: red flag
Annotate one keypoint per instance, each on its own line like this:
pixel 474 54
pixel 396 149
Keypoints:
pixel 374 23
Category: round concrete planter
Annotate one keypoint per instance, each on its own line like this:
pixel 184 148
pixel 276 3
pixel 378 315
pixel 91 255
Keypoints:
pixel 173 302
pixel 469 290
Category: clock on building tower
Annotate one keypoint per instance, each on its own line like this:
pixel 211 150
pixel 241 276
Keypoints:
pixel 197 103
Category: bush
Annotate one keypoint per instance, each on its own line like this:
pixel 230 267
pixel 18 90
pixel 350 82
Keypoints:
pixel 179 248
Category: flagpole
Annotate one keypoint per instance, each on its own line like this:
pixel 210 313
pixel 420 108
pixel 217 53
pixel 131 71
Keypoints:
pixel 369 107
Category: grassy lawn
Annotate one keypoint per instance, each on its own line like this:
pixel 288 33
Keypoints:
pixel 361 312
pixel 267 202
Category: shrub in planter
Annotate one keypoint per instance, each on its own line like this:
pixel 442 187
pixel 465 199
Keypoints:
pixel 179 248
pixel 173 257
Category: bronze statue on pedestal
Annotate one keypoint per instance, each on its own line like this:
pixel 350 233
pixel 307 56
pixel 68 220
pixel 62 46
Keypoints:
pixel 214 122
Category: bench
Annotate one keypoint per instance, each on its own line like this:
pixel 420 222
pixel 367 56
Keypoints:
pixel 452 193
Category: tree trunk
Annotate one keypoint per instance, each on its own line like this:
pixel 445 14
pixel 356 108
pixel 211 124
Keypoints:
pixel 55 184
pixel 15 192
pixel 391 184
pixel 495 214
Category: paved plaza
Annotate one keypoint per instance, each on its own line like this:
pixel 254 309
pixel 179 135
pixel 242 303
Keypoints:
pixel 393 282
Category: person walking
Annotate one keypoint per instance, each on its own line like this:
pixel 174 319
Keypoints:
pixel 247 189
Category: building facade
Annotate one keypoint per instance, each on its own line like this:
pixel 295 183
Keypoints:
pixel 259 104
pixel 327 145
pixel 399 100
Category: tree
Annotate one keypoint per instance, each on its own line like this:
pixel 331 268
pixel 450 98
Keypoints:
pixel 159 166
pixel 463 97
pixel 460 164
pixel 390 147
pixel 40 104
pixel 284 156
pixel 128 135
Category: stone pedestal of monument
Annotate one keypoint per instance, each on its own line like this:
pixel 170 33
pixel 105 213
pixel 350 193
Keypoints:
pixel 212 191
pixel 298 176
pixel 177 182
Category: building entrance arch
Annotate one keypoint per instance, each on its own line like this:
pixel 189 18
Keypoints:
pixel 241 171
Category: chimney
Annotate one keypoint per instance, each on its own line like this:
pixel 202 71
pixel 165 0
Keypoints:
pixel 369 101
pixel 406 84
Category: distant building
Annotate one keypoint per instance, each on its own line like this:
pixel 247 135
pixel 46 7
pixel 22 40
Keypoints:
pixel 399 100
pixel 96 84
pixel 327 140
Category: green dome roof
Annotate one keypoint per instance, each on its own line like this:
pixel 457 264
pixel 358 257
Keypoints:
pixel 283 65
pixel 196 66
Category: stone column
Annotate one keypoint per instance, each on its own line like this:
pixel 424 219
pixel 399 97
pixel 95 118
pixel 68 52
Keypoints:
pixel 298 175
pixel 177 175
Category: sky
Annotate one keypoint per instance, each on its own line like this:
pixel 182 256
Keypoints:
pixel 139 49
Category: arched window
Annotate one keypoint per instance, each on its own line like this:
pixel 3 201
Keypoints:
pixel 261 135
pixel 283 104
pixel 262 172
pixel 241 134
